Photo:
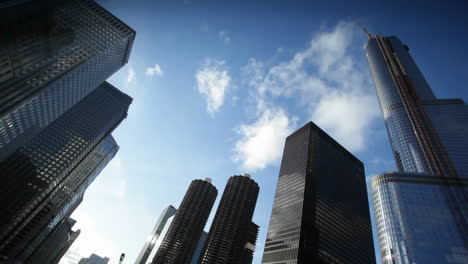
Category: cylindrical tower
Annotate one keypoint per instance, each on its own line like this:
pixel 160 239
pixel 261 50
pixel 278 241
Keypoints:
pixel 230 233
pixel 183 235
pixel 406 150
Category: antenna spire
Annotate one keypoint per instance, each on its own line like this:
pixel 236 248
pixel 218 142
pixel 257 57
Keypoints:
pixel 369 35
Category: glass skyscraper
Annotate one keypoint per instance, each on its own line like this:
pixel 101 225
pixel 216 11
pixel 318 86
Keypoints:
pixel 70 195
pixel 53 54
pixel 231 230
pixel 415 219
pixel 38 172
pixel 81 178
pixel 160 239
pixel 320 211
pixel 421 211
pixel 52 249
pixel 155 234
pixel 180 242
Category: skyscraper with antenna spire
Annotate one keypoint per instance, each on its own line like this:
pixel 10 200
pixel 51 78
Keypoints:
pixel 421 210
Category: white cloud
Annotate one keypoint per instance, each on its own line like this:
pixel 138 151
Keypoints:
pixel 325 80
pixel 262 142
pixel 150 71
pixel 224 36
pixel 213 81
pixel 130 74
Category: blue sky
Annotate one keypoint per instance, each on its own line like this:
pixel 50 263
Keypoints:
pixel 218 85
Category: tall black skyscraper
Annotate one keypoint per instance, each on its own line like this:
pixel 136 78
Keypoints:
pixel 320 212
pixel 40 169
pixel 70 194
pixel 52 249
pixel 186 228
pixel 52 54
pixel 232 226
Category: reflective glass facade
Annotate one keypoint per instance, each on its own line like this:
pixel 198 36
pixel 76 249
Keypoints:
pixel 150 243
pixel 81 177
pixel 52 54
pixel 421 212
pixel 407 152
pixel 320 212
pixel 70 195
pixel 232 225
pixel 450 119
pixel 415 218
pixel 443 121
pixel 52 249
pixel 160 238
pixel 180 242
pixel 37 173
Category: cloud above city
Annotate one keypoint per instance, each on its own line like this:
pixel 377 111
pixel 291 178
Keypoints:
pixel 263 140
pixel 224 36
pixel 213 81
pixel 325 80
pixel 130 74
pixel 155 70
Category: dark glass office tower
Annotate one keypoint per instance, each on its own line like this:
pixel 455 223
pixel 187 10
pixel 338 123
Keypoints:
pixel 183 235
pixel 231 226
pixel 36 173
pixel 155 234
pixel 427 218
pixel 52 54
pixel 81 177
pixel 320 212
pixel 71 193
pixel 52 249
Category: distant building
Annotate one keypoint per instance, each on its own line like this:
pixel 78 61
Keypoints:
pixel 155 234
pixel 94 259
pixel 320 212
pixel 52 249
pixel 53 54
pixel 232 231
pixel 46 165
pixel 422 210
pixel 160 239
pixel 200 246
pixel 186 228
